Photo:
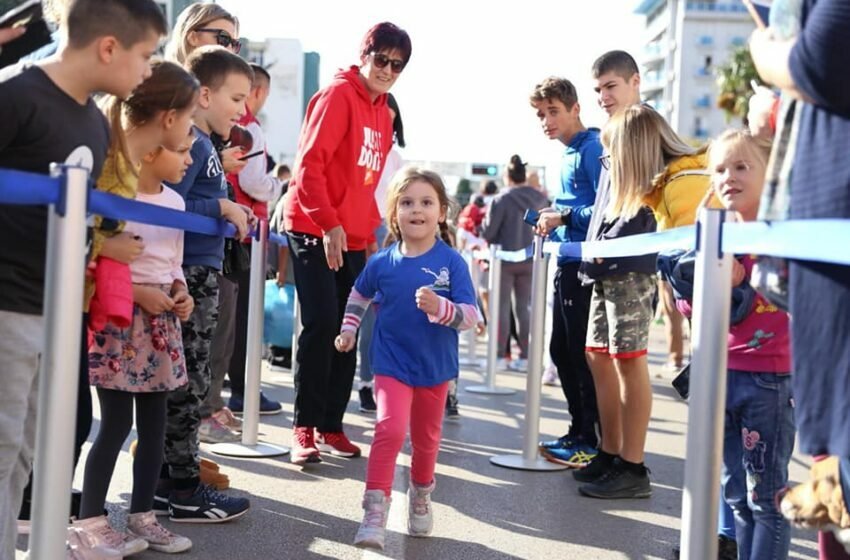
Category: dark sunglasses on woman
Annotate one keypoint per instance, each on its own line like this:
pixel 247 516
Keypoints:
pixel 380 60
pixel 223 39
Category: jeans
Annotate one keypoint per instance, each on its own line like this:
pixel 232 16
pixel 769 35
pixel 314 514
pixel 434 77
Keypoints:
pixel 757 447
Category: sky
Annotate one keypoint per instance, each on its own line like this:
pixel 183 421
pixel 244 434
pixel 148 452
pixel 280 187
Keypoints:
pixel 464 94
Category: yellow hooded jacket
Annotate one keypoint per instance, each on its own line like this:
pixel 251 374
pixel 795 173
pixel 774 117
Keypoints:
pixel 679 190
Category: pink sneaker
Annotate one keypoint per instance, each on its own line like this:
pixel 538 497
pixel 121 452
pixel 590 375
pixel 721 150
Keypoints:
pixel 104 538
pixel 304 448
pixel 145 526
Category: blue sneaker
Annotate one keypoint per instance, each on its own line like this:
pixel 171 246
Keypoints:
pixel 267 406
pixel 562 442
pixel 577 455
pixel 206 505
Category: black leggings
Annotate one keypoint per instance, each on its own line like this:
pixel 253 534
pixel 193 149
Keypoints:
pixel 116 420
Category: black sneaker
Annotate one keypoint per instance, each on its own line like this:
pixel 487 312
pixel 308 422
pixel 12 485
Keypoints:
pixel 367 401
pixel 618 483
pixel 599 465
pixel 206 505
pixel 160 502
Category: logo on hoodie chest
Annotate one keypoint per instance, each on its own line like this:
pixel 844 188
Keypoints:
pixel 370 153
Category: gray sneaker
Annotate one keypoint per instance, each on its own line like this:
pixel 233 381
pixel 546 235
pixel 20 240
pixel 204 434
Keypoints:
pixel 372 530
pixel 213 431
pixel 420 517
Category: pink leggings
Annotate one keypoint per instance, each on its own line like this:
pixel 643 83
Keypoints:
pixel 396 401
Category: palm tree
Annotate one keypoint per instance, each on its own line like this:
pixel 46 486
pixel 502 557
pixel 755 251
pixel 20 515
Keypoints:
pixel 734 80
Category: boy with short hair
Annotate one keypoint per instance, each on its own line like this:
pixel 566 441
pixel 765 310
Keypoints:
pixel 48 116
pixel 225 84
pixel 558 111
pixel 619 319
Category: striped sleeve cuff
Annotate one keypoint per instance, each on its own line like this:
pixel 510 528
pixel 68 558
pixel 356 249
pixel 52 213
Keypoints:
pixel 460 316
pixel 355 309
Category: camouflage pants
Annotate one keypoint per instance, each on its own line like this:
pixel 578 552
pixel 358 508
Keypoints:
pixel 621 310
pixel 184 404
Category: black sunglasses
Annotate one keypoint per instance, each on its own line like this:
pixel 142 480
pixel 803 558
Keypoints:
pixel 381 60
pixel 605 161
pixel 223 39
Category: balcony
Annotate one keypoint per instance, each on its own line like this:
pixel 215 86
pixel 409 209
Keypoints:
pixel 705 41
pixel 653 53
pixel 653 81
pixel 703 102
pixel 703 72
pixel 701 133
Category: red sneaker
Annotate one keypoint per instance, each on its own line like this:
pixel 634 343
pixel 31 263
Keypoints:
pixel 336 443
pixel 303 447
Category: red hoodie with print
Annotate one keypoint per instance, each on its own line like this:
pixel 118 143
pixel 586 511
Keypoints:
pixel 341 154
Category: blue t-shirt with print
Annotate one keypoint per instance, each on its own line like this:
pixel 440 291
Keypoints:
pixel 201 188
pixel 580 167
pixel 405 344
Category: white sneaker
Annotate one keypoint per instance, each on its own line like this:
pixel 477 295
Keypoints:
pixel 502 364
pixel 376 506
pixel 145 526
pixel 520 364
pixel 550 376
pixel 81 546
pixel 105 538
pixel 420 518
pixel 213 431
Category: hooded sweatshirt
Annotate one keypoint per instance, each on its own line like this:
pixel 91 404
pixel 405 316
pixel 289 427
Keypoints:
pixel 341 154
pixel 678 191
pixel 504 224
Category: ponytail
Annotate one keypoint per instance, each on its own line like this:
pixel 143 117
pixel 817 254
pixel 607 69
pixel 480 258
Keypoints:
pixel 113 108
pixel 516 170
pixel 446 234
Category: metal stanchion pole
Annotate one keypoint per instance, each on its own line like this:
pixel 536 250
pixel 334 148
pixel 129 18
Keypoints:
pixel 495 288
pixel 530 459
pixel 296 325
pixel 471 358
pixel 712 293
pixel 250 447
pixel 57 413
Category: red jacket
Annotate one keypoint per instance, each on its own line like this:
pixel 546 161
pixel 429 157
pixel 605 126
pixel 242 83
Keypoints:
pixel 343 146
pixel 260 208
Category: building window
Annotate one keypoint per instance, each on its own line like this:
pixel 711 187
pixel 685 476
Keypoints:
pixel 705 41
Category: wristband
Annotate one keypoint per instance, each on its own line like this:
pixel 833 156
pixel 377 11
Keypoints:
pixel 566 215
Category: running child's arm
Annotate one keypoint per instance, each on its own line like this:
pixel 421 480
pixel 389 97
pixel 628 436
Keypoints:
pixel 443 311
pixel 355 309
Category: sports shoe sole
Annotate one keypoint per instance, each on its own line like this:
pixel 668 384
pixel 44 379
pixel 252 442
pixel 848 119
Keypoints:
pixel 325 448
pixel 312 459
pixel 262 412
pixel 368 410
pixel 623 495
pixel 208 520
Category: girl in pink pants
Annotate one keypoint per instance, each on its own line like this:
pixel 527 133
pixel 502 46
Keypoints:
pixel 426 297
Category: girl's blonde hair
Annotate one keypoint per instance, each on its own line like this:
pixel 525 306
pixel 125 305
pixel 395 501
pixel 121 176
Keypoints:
pixel 195 16
pixel 641 145
pixel 404 179
pixel 740 140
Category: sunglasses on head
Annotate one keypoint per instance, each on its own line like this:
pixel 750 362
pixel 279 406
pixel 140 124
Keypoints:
pixel 380 60
pixel 223 39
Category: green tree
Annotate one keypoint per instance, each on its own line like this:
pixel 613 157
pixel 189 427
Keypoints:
pixel 733 79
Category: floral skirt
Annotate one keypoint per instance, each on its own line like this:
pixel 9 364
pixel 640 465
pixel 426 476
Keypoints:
pixel 146 357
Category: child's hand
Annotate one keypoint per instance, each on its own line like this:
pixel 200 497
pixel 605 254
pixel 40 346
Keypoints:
pixel 230 160
pixel 152 300
pixel 345 341
pixel 124 247
pixel 739 273
pixel 184 304
pixel 427 300
pixel 240 216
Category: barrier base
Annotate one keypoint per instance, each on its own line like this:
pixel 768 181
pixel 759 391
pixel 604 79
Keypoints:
pixel 520 463
pixel 248 451
pixel 486 390
pixel 467 362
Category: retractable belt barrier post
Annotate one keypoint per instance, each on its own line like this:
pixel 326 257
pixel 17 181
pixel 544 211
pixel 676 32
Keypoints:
pixel 250 447
pixel 712 293
pixel 495 289
pixel 530 459
pixel 296 327
pixel 58 384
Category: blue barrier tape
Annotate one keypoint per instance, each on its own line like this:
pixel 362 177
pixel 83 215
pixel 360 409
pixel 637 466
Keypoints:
pixel 809 240
pixel 22 188
pixel 119 208
pixel 633 245
pixel 278 239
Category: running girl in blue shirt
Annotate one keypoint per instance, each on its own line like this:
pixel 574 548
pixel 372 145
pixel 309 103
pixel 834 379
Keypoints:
pixel 426 298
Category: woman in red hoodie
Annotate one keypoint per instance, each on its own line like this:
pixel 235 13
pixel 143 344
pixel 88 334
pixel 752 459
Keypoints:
pixel 330 218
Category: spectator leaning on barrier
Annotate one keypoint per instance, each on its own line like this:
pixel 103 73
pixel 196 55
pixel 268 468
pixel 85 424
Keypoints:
pixel 225 84
pixel 504 225
pixel 556 103
pixel 812 67
pixel 620 314
pixel 48 116
pixel 330 219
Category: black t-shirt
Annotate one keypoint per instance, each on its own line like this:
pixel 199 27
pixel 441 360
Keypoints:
pixel 39 124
